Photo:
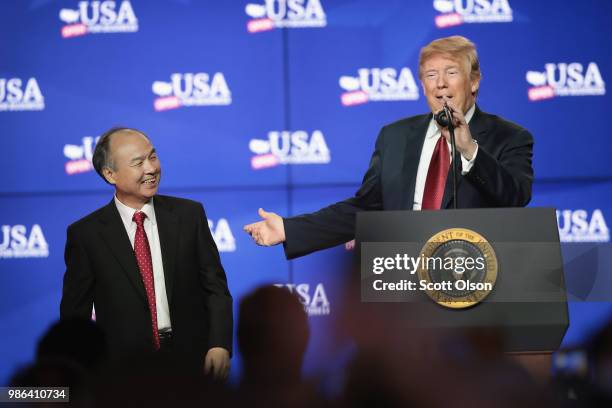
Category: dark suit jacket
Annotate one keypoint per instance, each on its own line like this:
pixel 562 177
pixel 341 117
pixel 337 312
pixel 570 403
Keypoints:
pixel 101 269
pixel 500 177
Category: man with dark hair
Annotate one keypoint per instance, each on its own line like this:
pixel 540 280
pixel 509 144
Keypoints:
pixel 148 263
pixel 273 335
pixel 411 161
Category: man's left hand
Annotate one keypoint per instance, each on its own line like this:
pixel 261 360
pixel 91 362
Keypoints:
pixel 463 138
pixel 217 362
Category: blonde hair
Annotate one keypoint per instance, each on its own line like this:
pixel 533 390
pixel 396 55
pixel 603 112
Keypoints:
pixel 455 47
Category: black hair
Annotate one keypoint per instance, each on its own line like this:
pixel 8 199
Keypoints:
pixel 101 156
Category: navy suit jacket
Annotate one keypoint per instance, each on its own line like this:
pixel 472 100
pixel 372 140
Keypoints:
pixel 101 269
pixel 501 176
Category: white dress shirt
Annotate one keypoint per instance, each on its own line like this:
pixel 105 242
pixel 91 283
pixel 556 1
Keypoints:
pixel 150 227
pixel 431 138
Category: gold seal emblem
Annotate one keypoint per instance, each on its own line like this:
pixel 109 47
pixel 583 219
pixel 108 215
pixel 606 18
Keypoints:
pixel 458 268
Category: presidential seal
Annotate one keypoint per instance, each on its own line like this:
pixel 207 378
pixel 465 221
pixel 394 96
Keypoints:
pixel 458 268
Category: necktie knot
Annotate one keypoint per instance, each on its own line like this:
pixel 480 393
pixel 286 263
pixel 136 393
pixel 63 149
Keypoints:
pixel 139 218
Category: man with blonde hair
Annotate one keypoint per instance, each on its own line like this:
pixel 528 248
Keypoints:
pixel 410 164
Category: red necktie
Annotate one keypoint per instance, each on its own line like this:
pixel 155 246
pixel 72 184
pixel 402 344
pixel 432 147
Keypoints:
pixel 143 257
pixel 436 176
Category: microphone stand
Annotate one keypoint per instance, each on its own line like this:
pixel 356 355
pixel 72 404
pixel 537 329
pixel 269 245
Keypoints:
pixel 451 129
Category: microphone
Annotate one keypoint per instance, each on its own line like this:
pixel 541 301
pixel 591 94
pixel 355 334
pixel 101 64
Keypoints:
pixel 444 117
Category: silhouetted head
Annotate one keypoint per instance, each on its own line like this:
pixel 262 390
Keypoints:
pixel 272 334
pixel 74 339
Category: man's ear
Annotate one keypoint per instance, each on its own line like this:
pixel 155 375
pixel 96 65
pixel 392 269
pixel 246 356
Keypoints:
pixel 109 175
pixel 475 86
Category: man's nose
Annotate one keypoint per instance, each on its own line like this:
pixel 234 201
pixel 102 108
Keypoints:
pixel 441 81
pixel 149 167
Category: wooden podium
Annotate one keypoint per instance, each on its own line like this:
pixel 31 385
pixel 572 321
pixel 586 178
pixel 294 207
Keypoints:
pixel 528 302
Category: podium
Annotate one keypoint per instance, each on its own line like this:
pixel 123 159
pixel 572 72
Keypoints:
pixel 527 302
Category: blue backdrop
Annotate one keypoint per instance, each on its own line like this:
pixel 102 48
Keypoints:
pixel 277 103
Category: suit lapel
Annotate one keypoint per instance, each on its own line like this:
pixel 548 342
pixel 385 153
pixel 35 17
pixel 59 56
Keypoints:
pixel 414 137
pixel 168 228
pixel 477 128
pixel 116 238
pixel 479 125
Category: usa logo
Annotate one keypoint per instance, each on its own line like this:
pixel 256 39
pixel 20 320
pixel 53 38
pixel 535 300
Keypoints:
pixel 456 12
pixel 222 234
pixel 18 242
pixel 96 17
pixel 20 95
pixel 285 13
pixel 289 147
pixel 565 79
pixel 79 156
pixel 191 89
pixel 582 226
pixel 315 301
pixel 378 85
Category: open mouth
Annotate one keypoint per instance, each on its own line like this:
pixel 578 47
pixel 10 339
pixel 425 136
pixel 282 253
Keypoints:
pixel 150 182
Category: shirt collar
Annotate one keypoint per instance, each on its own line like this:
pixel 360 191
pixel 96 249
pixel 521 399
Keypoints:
pixel 127 213
pixel 433 130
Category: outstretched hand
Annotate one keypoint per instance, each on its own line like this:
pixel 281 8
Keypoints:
pixel 269 231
